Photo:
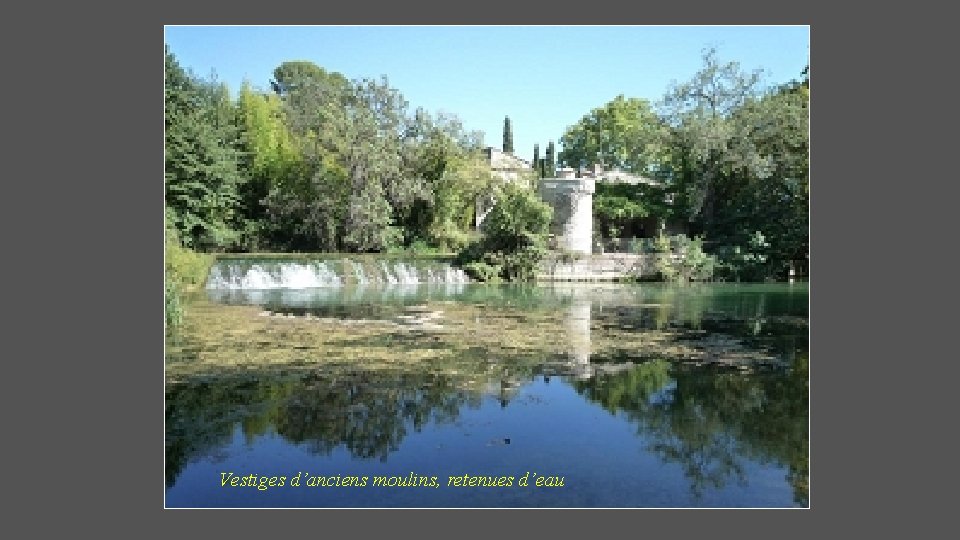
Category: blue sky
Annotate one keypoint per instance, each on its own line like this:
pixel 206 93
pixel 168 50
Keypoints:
pixel 544 77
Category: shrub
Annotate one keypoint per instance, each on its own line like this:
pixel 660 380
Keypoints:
pixel 682 259
pixel 417 247
pixel 514 239
pixel 482 271
pixel 749 262
pixel 173 311
pixel 184 266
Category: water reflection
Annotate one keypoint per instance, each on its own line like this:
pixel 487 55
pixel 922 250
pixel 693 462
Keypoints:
pixel 354 294
pixel 679 365
pixel 367 413
pixel 710 422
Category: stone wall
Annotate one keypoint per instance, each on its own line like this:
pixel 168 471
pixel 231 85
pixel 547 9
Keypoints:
pixel 605 267
pixel 572 202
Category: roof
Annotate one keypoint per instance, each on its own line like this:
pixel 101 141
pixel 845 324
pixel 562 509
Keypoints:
pixel 505 160
pixel 617 176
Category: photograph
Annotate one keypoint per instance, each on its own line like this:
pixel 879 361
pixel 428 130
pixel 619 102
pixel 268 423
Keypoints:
pixel 486 266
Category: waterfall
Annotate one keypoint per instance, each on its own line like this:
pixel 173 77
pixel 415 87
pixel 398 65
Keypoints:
pixel 253 274
pixel 358 273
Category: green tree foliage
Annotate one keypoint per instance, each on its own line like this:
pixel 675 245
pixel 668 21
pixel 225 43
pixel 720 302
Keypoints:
pixel 681 259
pixel 202 156
pixel 733 157
pixel 293 75
pixel 372 177
pixel 747 262
pixel 703 133
pixel 507 135
pixel 351 187
pixel 624 133
pixel 774 199
pixel 514 237
pixel 367 138
pixel 466 179
pixel 620 209
pixel 745 168
pixel 327 164
pixel 536 160
pixel 550 163
pixel 444 164
pixel 271 156
pixel 306 208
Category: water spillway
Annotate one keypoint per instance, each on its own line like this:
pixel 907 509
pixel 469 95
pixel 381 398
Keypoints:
pixel 260 274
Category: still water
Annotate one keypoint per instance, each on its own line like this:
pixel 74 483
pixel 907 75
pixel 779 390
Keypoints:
pixel 639 395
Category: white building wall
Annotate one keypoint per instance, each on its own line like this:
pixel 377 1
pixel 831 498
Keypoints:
pixel 572 202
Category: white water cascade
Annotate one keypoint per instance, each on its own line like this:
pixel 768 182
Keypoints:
pixel 241 274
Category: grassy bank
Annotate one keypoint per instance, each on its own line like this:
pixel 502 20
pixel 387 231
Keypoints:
pixel 184 270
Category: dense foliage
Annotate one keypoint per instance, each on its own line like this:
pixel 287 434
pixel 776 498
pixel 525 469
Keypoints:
pixel 682 259
pixel 323 163
pixel 621 210
pixel 514 238
pixel 202 160
pixel 625 133
pixel 739 163
pixel 183 269
pixel 319 164
pixel 733 157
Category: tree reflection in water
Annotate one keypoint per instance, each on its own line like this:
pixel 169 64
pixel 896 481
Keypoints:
pixel 709 421
pixel 369 414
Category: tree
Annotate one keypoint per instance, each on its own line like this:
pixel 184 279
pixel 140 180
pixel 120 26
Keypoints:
pixel 445 161
pixel 201 159
pixel 354 189
pixel 738 161
pixel 465 179
pixel 550 165
pixel 306 207
pixel 514 237
pixel 272 157
pixel 290 76
pixel 507 136
pixel 618 207
pixel 770 196
pixel 372 176
pixel 366 137
pixel 536 159
pixel 624 133
pixel 699 113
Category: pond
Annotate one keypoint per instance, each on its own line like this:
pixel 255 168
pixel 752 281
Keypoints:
pixel 456 394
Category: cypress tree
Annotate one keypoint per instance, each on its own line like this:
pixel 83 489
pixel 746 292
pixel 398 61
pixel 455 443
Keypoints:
pixel 507 135
pixel 536 158
pixel 551 165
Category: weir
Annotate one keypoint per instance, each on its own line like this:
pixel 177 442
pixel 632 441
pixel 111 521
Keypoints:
pixel 241 274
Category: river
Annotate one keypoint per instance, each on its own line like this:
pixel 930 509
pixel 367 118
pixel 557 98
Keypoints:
pixel 630 395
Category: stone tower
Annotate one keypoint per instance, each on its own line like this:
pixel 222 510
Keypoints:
pixel 572 202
